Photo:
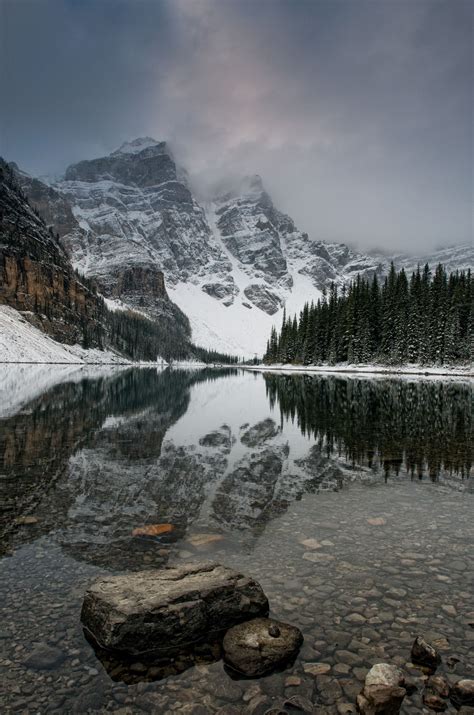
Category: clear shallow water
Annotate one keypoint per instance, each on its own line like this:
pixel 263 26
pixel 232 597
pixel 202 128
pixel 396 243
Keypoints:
pixel 246 467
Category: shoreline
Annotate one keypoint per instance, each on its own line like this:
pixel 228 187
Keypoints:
pixel 366 370
pixel 306 369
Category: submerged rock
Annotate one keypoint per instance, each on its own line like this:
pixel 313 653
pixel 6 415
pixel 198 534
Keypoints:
pixel 423 653
pixel 258 646
pixel 383 691
pixel 161 611
pixel 462 692
pixel 436 693
pixel 44 657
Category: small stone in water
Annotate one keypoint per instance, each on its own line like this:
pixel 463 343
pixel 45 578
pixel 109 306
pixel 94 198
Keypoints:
pixel 26 520
pixel 311 544
pixel 44 657
pixel 316 668
pixel 292 680
pixel 377 521
pixel 203 539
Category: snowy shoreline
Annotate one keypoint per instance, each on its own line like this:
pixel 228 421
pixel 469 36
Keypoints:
pixel 418 370
pixel 22 343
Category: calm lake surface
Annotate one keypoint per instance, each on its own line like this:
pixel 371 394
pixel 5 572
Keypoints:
pixel 350 499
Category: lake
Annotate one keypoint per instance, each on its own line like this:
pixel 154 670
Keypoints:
pixel 349 498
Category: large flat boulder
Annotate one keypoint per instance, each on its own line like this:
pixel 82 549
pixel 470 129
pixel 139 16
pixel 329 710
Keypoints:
pixel 161 611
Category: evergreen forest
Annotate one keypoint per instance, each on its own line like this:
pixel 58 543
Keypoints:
pixel 426 319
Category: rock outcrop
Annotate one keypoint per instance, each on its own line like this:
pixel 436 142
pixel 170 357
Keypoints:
pixel 259 646
pixel 162 611
pixel 263 298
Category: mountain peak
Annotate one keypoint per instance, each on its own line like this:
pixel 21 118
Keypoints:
pixel 135 146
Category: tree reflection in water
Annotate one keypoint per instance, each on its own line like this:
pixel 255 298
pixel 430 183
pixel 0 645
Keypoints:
pixel 424 426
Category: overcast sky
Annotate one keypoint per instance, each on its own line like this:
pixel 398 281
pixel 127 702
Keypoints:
pixel 357 114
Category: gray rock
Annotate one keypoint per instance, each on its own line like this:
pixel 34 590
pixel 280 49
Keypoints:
pixel 423 653
pixel 161 611
pixel 263 298
pixel 44 657
pixel 462 692
pixel 383 691
pixel 221 291
pixel 249 648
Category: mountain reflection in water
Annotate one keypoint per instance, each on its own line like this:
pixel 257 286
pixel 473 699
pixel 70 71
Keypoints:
pixel 96 459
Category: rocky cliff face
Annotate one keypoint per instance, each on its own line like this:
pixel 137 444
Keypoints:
pixel 136 209
pixel 32 285
pixel 36 276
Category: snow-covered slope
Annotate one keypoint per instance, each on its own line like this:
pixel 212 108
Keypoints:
pixel 22 342
pixel 231 263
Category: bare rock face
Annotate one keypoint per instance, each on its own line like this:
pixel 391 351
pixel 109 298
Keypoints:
pixel 162 611
pixel 423 653
pixel 383 691
pixel 263 298
pixel 223 291
pixel 258 646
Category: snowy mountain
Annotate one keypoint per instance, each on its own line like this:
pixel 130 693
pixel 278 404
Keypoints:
pixel 231 263
pixel 453 258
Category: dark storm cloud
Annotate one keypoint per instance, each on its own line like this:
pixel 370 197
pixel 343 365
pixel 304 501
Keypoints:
pixel 358 114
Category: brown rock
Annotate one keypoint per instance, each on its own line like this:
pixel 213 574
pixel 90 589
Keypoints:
pixel 423 653
pixel 383 691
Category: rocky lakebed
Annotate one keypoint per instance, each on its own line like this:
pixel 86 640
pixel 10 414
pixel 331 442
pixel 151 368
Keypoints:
pixel 320 565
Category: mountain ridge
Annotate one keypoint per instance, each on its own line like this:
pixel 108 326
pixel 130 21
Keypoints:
pixel 231 263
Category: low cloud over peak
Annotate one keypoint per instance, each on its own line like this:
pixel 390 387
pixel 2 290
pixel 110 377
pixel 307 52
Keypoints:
pixel 357 114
